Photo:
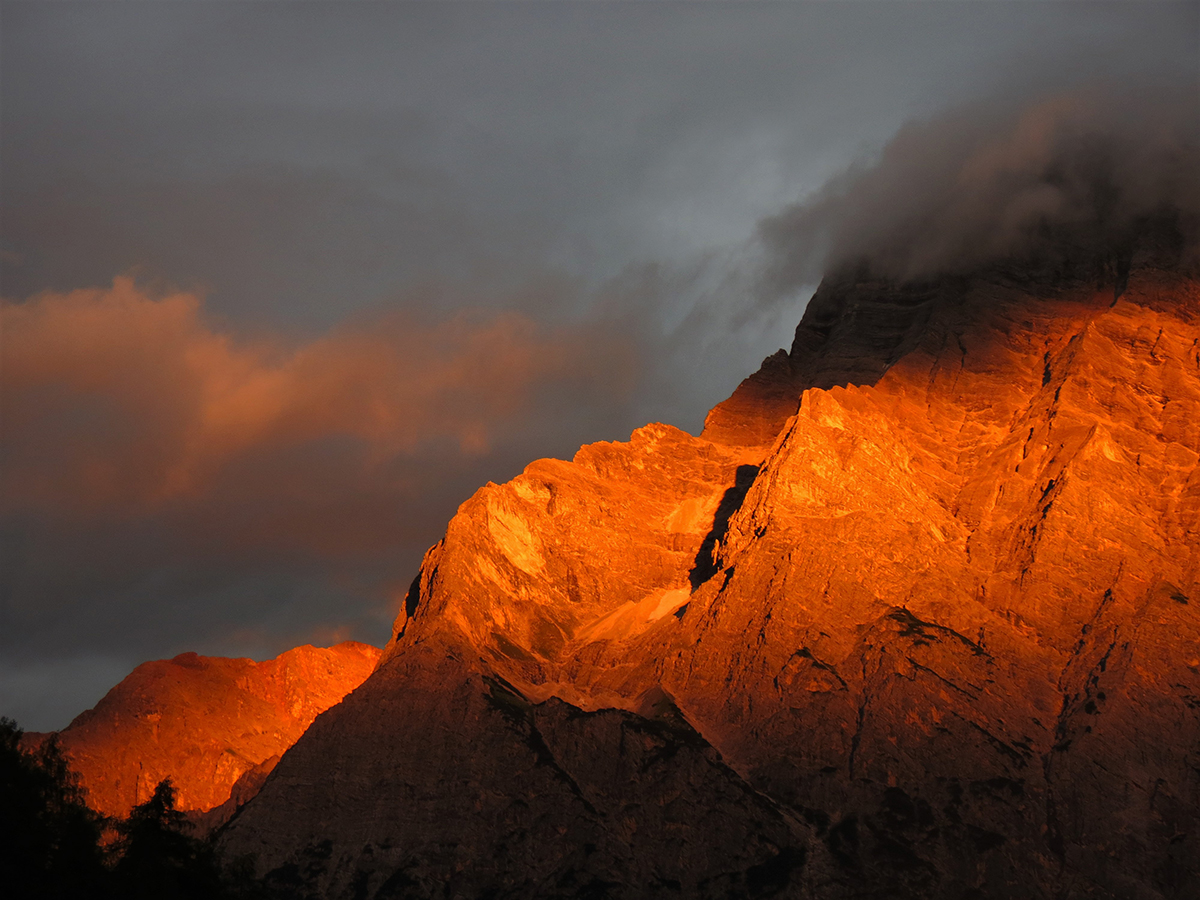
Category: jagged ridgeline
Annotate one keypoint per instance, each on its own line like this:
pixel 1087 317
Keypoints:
pixel 917 615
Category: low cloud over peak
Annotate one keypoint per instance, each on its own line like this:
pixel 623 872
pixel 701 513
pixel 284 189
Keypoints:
pixel 1001 179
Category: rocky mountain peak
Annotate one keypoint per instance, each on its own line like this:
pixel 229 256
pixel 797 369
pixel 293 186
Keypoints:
pixel 918 607
pixel 205 722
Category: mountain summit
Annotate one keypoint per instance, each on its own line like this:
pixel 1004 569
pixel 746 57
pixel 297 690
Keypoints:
pixel 915 616
pixel 213 726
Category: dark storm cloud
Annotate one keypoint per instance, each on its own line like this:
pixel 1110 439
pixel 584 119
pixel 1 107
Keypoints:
pixel 1005 180
pixel 369 197
pixel 228 145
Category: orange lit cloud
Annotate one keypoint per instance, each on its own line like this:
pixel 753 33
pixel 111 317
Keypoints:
pixel 117 401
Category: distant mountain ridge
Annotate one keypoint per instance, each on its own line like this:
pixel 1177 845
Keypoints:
pixel 204 722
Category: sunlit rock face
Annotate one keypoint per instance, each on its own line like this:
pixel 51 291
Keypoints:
pixel 917 616
pixel 204 722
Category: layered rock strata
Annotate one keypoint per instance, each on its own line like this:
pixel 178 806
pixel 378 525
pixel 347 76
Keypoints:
pixel 207 723
pixel 915 616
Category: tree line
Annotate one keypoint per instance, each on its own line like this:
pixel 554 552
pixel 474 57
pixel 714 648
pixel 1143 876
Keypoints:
pixel 52 845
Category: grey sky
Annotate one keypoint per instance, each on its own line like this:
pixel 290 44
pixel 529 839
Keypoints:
pixel 599 168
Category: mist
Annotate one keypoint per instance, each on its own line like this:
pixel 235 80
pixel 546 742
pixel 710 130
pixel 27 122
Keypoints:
pixel 1030 179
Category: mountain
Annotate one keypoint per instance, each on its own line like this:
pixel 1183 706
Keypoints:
pixel 210 724
pixel 917 615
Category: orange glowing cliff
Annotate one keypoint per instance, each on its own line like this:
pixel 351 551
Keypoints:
pixel 205 722
pixel 917 615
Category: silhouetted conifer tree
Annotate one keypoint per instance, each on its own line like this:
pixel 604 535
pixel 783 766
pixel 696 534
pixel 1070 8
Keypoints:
pixel 52 848
pixel 159 859
pixel 49 838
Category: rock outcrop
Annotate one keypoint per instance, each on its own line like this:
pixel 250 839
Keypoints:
pixel 207 723
pixel 916 616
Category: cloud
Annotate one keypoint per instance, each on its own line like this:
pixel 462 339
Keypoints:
pixel 168 485
pixel 1002 179
pixel 118 403
pixel 176 484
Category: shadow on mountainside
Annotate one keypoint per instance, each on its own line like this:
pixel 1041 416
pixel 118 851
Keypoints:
pixel 705 566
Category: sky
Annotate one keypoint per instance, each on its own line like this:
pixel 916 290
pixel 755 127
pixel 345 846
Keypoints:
pixel 284 283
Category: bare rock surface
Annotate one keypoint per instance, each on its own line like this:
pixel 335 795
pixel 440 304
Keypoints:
pixel 917 616
pixel 204 722
pixel 436 780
